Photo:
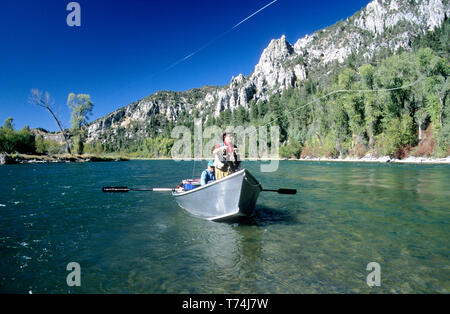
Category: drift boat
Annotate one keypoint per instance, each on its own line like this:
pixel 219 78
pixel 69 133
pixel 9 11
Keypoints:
pixel 225 199
pixel 230 197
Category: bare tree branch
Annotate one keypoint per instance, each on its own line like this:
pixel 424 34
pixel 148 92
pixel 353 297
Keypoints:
pixel 36 98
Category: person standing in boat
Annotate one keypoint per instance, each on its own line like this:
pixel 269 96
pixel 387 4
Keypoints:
pixel 208 174
pixel 226 158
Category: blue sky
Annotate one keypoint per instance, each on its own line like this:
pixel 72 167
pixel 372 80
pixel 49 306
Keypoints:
pixel 122 50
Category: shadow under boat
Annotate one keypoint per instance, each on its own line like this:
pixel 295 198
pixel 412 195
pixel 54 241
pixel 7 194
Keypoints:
pixel 264 216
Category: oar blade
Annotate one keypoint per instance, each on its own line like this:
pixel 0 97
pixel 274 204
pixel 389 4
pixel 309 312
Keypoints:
pixel 281 191
pixel 115 189
pixel 287 191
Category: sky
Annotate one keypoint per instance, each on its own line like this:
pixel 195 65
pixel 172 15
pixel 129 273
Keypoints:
pixel 126 50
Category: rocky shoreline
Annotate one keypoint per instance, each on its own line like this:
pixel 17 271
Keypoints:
pixel 31 159
pixel 383 159
pixel 7 159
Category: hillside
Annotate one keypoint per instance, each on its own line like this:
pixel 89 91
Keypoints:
pixel 380 30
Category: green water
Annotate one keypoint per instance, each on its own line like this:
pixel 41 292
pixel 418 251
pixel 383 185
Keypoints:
pixel 345 216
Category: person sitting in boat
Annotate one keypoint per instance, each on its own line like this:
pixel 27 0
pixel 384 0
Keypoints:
pixel 208 174
pixel 226 158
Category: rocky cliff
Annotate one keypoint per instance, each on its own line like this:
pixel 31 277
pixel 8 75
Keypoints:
pixel 382 24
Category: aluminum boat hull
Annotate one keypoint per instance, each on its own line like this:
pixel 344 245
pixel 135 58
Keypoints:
pixel 227 198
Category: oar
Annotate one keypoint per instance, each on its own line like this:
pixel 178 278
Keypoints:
pixel 282 191
pixel 123 189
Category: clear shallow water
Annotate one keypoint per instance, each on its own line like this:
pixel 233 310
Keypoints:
pixel 318 241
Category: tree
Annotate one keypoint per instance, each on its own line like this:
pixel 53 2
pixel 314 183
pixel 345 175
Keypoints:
pixel 253 111
pixel 340 124
pixel 261 108
pixel 292 149
pixel 420 117
pixel 353 105
pixel 393 73
pixel 371 107
pixel 26 142
pixel 397 134
pixel 8 124
pixel 225 117
pixel 277 116
pixel 11 141
pixel 8 137
pixel 44 101
pixel 81 107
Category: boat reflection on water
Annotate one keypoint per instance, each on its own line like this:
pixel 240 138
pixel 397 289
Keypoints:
pixel 235 257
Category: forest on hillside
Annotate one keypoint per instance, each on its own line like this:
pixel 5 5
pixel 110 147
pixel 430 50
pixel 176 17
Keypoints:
pixel 395 105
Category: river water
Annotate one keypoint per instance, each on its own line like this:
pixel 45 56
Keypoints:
pixel 345 216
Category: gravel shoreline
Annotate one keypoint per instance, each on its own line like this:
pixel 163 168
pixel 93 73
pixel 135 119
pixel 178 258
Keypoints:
pixel 384 159
pixel 30 159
